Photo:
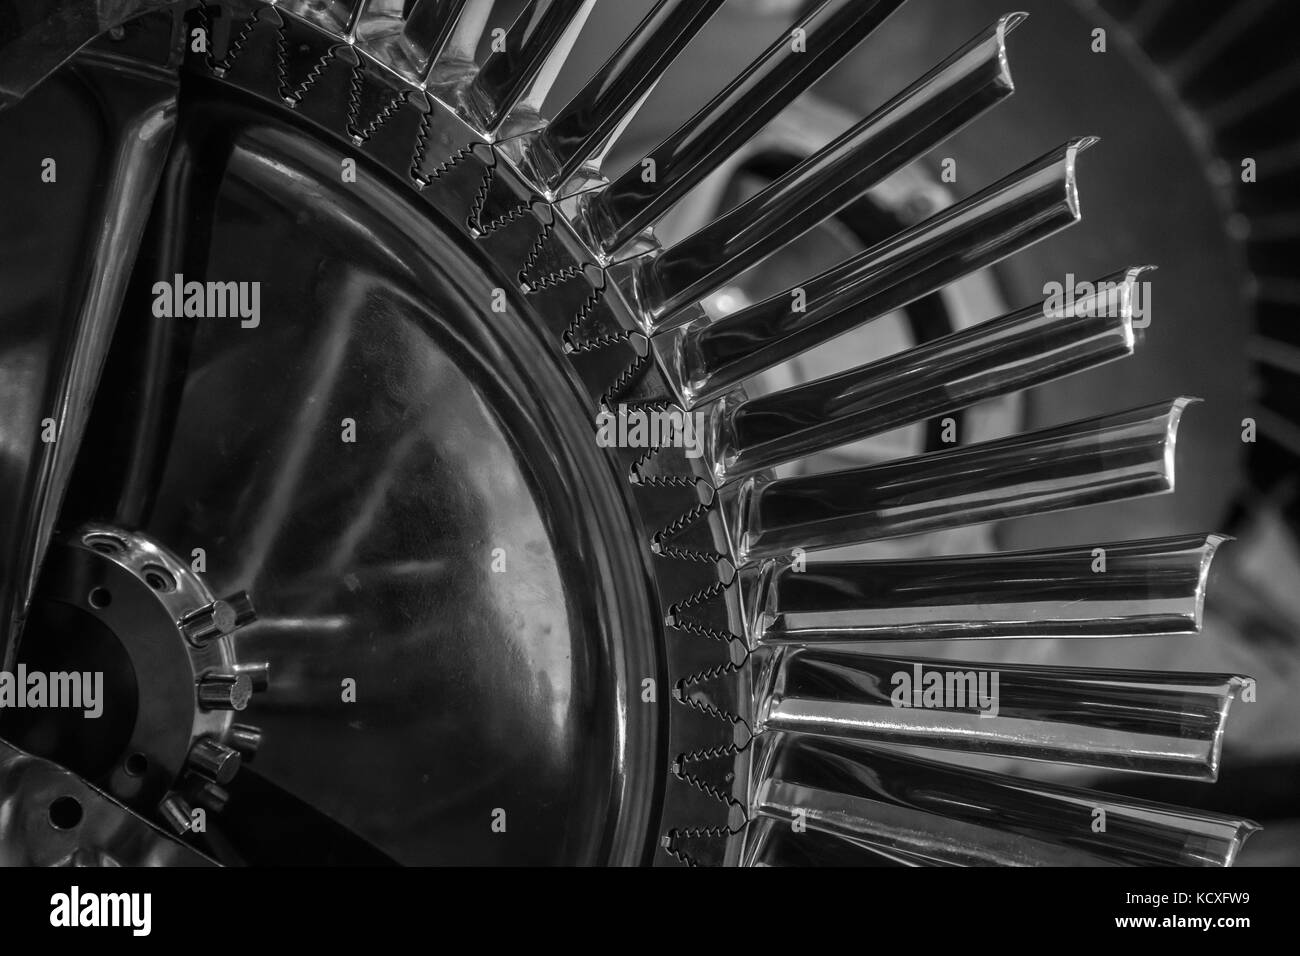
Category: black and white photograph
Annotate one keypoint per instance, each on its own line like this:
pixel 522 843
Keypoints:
pixel 588 434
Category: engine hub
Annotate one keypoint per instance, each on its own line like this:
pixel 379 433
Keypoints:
pixel 130 619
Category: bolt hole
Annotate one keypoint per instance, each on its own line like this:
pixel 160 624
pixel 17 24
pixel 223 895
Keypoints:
pixel 65 813
pixel 105 543
pixel 159 578
pixel 136 764
pixel 101 597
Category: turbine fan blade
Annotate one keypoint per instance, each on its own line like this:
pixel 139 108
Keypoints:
pixel 941 814
pixel 1017 351
pixel 585 127
pixel 519 76
pixel 411 44
pixel 336 16
pixel 1165 724
pixel 963 87
pixel 1123 589
pixel 458 56
pixel 772 842
pixel 705 359
pixel 788 67
pixel 1127 454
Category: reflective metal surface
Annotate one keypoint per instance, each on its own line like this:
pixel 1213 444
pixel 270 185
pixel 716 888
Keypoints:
pixel 37 36
pixel 971 81
pixel 1115 456
pixel 1155 723
pixel 519 76
pixel 1033 345
pixel 67 278
pixel 1124 588
pixel 494 640
pixel 114 602
pixel 919 812
pixel 433 553
pixel 50 817
pixel 785 69
pixel 582 129
pixel 706 359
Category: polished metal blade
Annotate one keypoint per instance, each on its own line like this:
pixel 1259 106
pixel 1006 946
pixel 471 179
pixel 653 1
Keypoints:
pixel 705 359
pixel 1109 458
pixel 1159 723
pixel 789 66
pixel 409 44
pixel 963 87
pixel 580 132
pixel 946 815
pixel 518 76
pixel 1026 348
pixel 1120 589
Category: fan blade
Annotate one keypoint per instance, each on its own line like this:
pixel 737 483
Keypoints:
pixel 963 87
pixel 1160 723
pixel 1124 455
pixel 580 132
pixel 409 44
pixel 631 203
pixel 519 76
pixel 1122 589
pixel 705 359
pixel 947 815
pixel 1017 351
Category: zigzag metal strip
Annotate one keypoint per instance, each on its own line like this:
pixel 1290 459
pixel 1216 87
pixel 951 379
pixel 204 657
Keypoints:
pixel 423 179
pixel 682 691
pixel 507 217
pixel 553 278
pixel 710 752
pixel 675 619
pixel 672 841
pixel 659 545
pixel 475 222
pixel 294 97
pixel 688 518
pixel 395 103
pixel 206 24
pixel 716 671
pixel 236 46
pixel 637 476
pixel 704 786
pixel 573 344
pixel 624 381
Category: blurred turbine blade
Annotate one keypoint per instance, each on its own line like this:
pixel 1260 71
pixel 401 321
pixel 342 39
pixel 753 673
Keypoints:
pixel 519 76
pixel 788 67
pixel 948 815
pixel 705 359
pixel 1017 351
pixel 968 83
pixel 464 35
pixel 772 842
pixel 1124 455
pixel 419 37
pixel 337 16
pixel 1166 724
pixel 1122 589
pixel 579 132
